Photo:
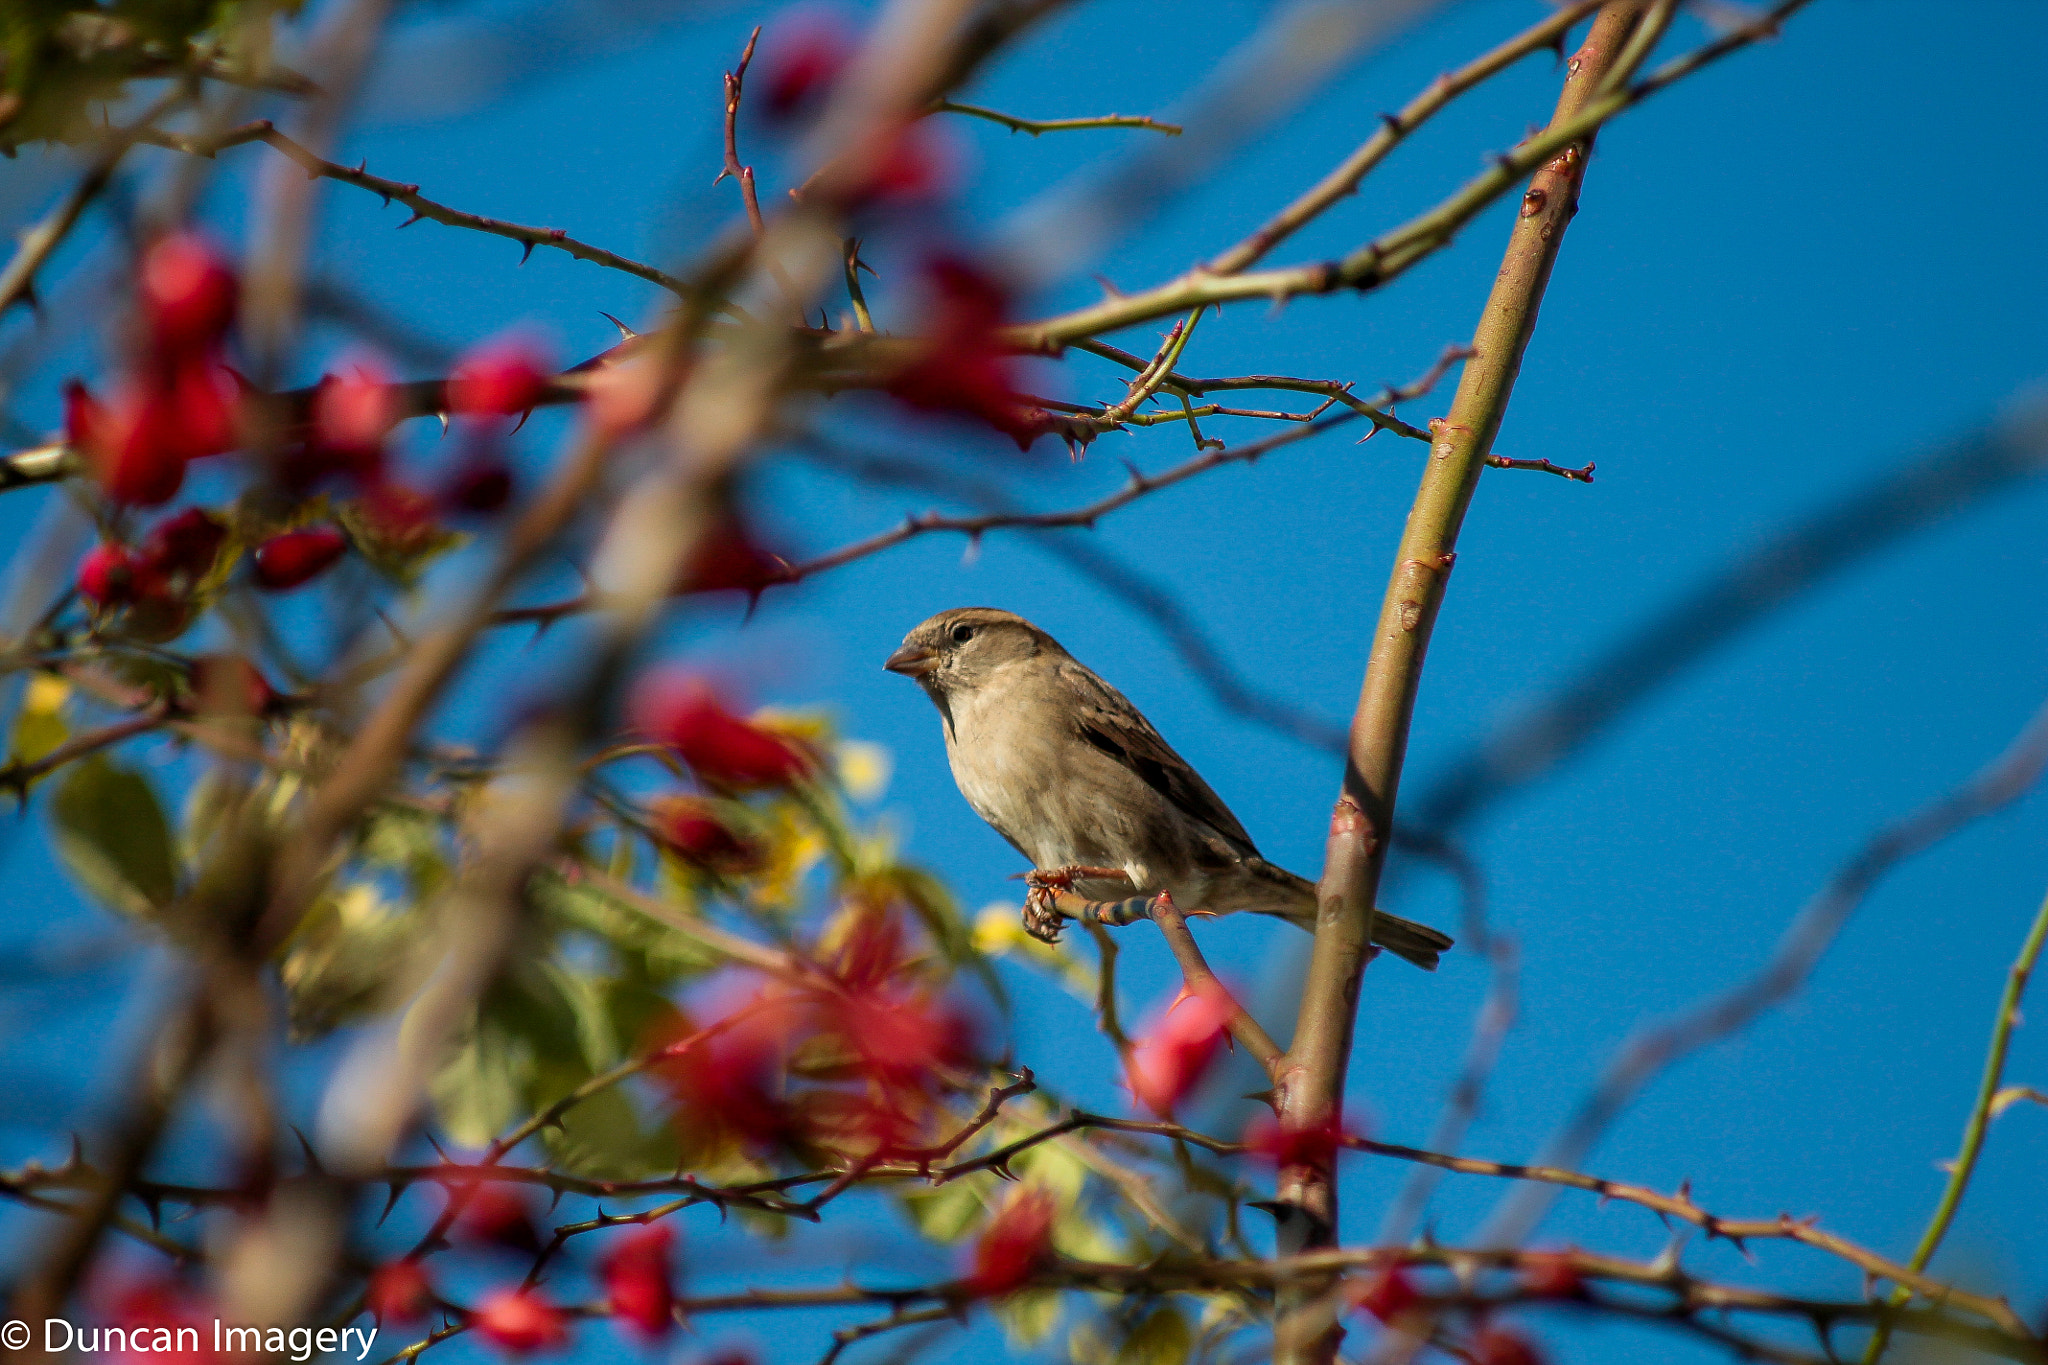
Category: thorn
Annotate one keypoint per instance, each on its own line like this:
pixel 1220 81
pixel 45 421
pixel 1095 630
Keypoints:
pixel 390 1202
pixel 313 1166
pixel 416 216
pixel 523 255
pixel 625 333
pixel 444 421
pixel 439 1151
pixel 521 422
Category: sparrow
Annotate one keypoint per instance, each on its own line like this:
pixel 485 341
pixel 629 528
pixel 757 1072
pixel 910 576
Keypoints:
pixel 1064 767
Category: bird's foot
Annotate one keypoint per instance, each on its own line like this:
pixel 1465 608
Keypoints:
pixel 1044 916
pixel 1063 878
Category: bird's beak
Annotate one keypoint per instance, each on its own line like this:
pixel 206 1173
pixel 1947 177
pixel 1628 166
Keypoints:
pixel 912 661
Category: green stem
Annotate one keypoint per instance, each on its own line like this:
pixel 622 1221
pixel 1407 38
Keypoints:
pixel 1979 1123
pixel 1312 1075
pixel 1056 125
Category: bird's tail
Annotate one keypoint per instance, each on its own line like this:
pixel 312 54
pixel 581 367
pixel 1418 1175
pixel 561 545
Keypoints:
pixel 1404 938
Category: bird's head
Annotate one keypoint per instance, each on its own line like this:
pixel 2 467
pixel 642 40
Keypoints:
pixel 959 650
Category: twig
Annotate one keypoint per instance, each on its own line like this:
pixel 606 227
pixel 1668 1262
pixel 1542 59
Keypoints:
pixel 1394 253
pixel 18 280
pixel 734 81
pixel 1344 180
pixel 1994 459
pixel 1981 1110
pixel 1584 475
pixel 317 167
pixel 2003 781
pixel 1058 125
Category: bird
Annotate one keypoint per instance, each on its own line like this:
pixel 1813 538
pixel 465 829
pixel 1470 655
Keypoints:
pixel 1061 764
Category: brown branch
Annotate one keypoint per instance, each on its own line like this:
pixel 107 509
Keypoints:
pixel 744 175
pixel 1311 1097
pixel 1344 180
pixel 318 167
pixel 1584 475
pixel 1392 254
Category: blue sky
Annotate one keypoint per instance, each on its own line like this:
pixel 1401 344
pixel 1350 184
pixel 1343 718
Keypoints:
pixel 1789 275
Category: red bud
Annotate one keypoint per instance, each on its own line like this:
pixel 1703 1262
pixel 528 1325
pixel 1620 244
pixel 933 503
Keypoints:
pixel 481 484
pixel 133 446
pixel 692 828
pixel 803 57
pixel 399 1291
pixel 497 1215
pixel 684 712
pixel 188 293
pixel 1170 1060
pixel 229 685
pixel 520 1321
pixel 188 543
pixel 499 379
pixel 1501 1346
pixel 1386 1295
pixel 353 413
pixel 287 560
pixel 636 1279
pixel 107 575
pixel 1015 1245
pixel 1551 1275
pixel 728 559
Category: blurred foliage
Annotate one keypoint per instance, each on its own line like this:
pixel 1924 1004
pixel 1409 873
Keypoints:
pixel 61 58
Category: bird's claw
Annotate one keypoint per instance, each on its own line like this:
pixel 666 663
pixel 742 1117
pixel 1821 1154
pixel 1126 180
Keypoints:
pixel 1042 920
pixel 1063 878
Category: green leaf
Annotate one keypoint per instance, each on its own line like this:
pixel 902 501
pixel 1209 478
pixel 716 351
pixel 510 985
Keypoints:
pixel 111 832
pixel 1029 1316
pixel 39 727
pixel 946 1213
pixel 1161 1339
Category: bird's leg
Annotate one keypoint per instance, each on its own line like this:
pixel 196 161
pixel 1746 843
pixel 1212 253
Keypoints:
pixel 1051 901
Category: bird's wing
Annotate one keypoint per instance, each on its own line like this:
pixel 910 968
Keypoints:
pixel 1107 720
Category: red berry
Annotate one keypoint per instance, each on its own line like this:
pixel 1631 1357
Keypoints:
pixel 684 712
pixel 692 828
pixel 964 368
pixel 399 1291
pixel 636 1279
pixel 286 561
pixel 498 1216
pixel 728 559
pixel 500 379
pixel 188 293
pixel 801 61
pixel 520 1321
pixel 1500 1346
pixel 1551 1275
pixel 481 484
pixel 352 415
pixel 106 576
pixel 188 543
pixel 229 685
pixel 1172 1058
pixel 1015 1245
pixel 133 445
pixel 1386 1295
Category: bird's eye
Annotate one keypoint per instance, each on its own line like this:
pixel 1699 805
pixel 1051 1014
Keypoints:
pixel 962 634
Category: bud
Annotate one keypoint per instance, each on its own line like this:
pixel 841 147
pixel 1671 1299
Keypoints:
pixel 1551 1275
pixel 692 829
pixel 187 544
pixel 1387 1295
pixel 107 575
pixel 683 712
pixel 520 1321
pixel 804 56
pixel 352 415
pixel 286 561
pixel 229 685
pixel 1016 1243
pixel 636 1280
pixel 1170 1060
pixel 1501 1346
pixel 133 446
pixel 481 484
pixel 500 379
pixel 188 293
pixel 497 1215
pixel 399 1291
pixel 727 558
